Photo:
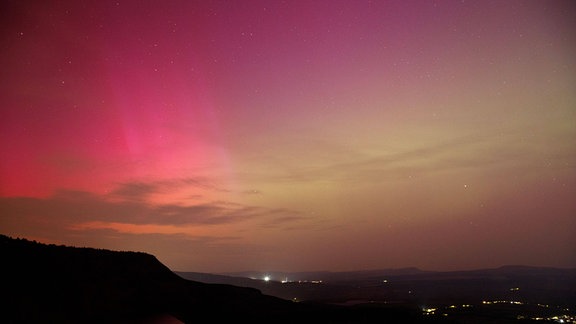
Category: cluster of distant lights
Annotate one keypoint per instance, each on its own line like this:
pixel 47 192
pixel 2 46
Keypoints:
pixel 490 302
pixel 434 310
pixel 285 280
pixel 557 318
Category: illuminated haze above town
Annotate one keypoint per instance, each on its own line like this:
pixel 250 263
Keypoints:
pixel 297 135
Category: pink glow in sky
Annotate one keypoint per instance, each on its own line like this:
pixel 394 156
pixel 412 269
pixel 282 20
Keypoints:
pixel 293 135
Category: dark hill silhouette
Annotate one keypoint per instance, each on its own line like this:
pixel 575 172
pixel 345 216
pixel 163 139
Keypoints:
pixel 59 284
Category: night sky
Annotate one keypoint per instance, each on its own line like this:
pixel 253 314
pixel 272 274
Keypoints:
pixel 293 135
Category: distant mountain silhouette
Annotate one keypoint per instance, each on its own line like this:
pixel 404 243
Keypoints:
pixel 543 285
pixel 326 276
pixel 59 284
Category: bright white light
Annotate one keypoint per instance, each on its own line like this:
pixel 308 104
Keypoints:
pixel 267 278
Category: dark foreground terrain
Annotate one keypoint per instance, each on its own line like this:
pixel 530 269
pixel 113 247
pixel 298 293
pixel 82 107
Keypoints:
pixel 58 284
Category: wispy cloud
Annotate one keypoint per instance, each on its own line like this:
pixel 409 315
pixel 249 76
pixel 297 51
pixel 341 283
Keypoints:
pixel 478 151
pixel 126 210
pixel 135 191
pixel 141 190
